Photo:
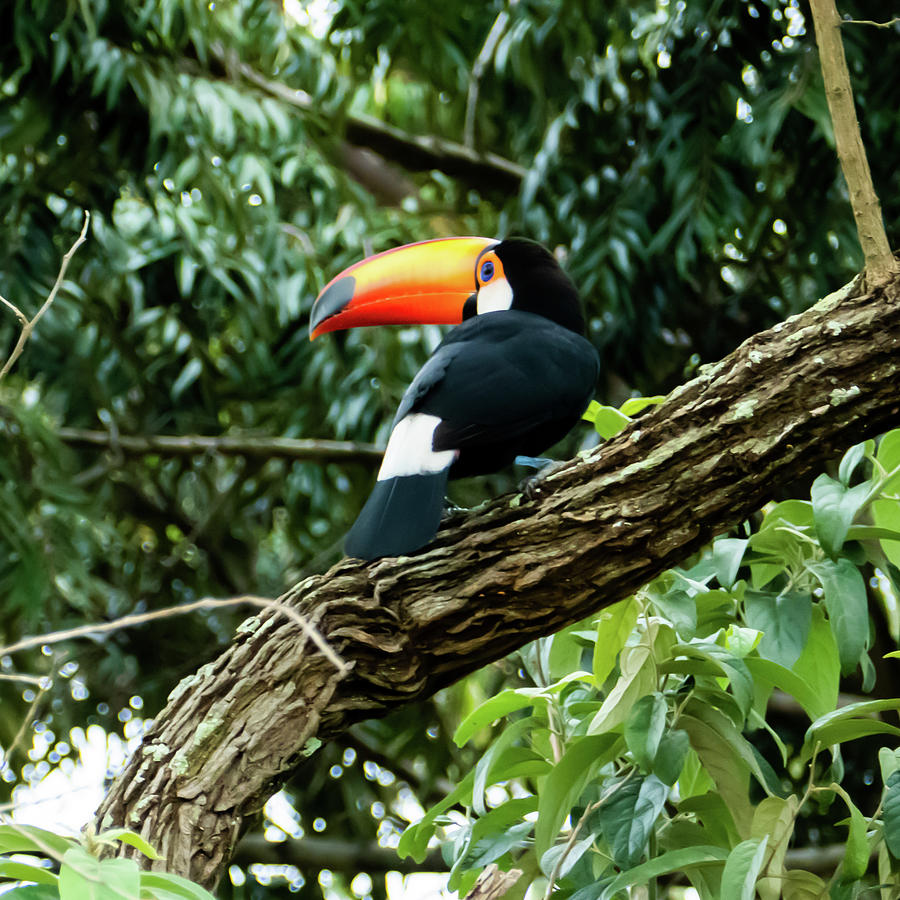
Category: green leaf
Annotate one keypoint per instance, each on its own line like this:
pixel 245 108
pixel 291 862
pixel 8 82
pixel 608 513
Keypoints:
pixel 129 837
pixel 490 767
pixel 726 755
pixel 671 756
pixel 30 839
pixel 798 885
pixel 819 663
pixel 848 723
pixel 846 602
pixel 886 515
pixel 20 871
pixel 84 877
pixel 608 421
pixel 806 694
pixel 672 861
pixel 571 856
pixel 175 885
pixel 633 405
pixel 727 556
pixel 488 846
pixel 679 607
pixel 567 779
pixel 414 841
pixel 852 458
pixel 774 820
pixel 888 761
pixel 188 375
pixel 487 713
pixel 33 892
pixel 742 868
pixel 834 508
pixel 628 816
pixel 891 814
pixel 888 457
pixel 856 856
pixel 784 620
pixel 644 728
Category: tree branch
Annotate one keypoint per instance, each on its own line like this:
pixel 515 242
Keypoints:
pixel 880 263
pixel 786 401
pixel 413 152
pixel 228 445
pixel 28 325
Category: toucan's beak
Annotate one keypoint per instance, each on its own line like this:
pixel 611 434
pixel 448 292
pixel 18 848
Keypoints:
pixel 424 283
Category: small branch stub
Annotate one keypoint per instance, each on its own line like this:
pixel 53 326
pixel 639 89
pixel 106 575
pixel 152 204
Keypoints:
pixel 880 262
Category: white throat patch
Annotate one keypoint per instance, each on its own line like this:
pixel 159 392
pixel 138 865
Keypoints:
pixel 409 450
pixel 494 297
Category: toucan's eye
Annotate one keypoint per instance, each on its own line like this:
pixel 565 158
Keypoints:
pixel 487 271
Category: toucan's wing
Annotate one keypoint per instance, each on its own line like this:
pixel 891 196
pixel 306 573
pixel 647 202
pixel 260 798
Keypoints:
pixel 501 376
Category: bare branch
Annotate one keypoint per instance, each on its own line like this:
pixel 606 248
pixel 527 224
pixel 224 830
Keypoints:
pixel 95 628
pixel 18 312
pixel 881 265
pixel 893 21
pixel 29 325
pixel 414 152
pixel 228 445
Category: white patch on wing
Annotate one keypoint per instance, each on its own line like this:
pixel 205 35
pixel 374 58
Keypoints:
pixel 409 450
pixel 494 297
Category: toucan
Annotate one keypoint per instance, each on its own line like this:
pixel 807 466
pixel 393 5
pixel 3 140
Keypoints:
pixel 510 380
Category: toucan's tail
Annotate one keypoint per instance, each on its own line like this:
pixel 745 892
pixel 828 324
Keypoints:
pixel 401 515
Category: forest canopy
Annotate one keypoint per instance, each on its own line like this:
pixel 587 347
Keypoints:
pixel 677 157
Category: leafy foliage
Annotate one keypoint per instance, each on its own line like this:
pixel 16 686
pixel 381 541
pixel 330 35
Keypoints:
pixel 234 156
pixel 636 736
pixel 81 874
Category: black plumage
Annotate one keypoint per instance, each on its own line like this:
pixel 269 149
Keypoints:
pixel 502 384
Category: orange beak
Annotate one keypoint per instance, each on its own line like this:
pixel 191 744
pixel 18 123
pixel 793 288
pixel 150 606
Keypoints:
pixel 424 283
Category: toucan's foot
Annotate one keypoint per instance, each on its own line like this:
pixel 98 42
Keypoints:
pixel 533 462
pixel 530 487
pixel 451 509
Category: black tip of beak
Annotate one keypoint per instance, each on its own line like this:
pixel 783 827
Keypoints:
pixel 331 301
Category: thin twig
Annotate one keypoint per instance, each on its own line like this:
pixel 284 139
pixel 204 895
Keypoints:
pixel 29 325
pixel 34 680
pixel 18 312
pixel 893 21
pixel 207 603
pixel 30 716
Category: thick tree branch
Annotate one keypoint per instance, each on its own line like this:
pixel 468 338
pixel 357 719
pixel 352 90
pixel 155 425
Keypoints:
pixel 417 153
pixel 881 265
pixel 786 401
pixel 228 445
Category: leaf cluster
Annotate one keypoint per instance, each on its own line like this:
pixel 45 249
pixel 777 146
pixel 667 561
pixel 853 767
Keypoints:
pixel 632 751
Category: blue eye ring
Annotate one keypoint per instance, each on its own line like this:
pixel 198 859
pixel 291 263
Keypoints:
pixel 487 271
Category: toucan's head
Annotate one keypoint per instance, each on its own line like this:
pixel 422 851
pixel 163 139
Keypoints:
pixel 446 281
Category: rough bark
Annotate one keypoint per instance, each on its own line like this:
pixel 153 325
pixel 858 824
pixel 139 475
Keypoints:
pixel 774 411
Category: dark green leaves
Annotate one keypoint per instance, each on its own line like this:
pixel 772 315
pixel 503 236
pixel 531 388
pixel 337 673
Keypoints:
pixel 891 806
pixel 628 815
pixel 846 602
pixel 834 508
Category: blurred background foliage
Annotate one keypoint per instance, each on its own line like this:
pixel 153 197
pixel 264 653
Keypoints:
pixel 236 155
